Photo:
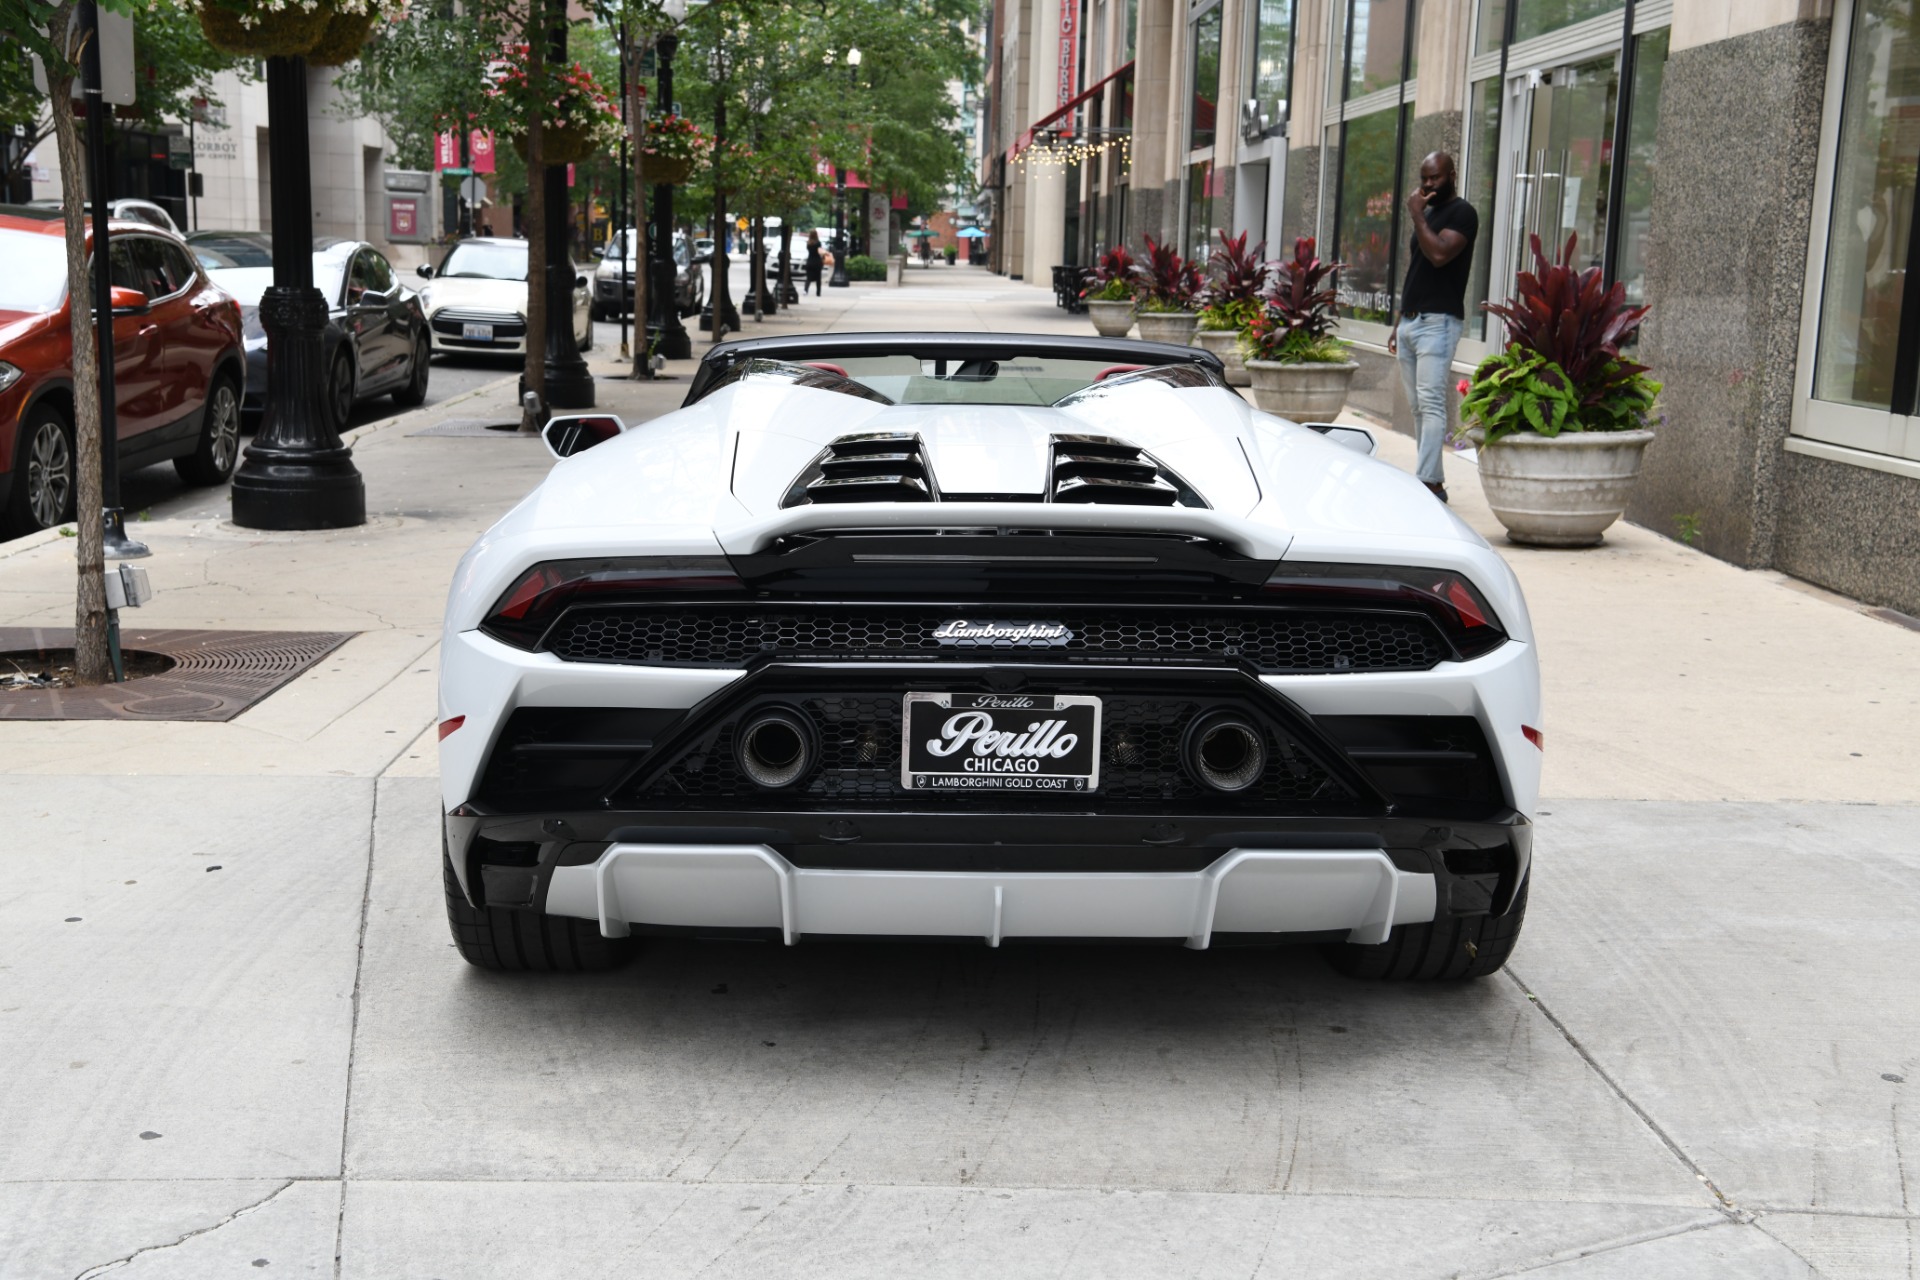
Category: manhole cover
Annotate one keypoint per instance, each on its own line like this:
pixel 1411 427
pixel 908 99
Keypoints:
pixel 177 675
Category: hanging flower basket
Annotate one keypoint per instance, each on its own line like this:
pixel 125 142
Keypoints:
pixel 345 35
pixel 665 171
pixel 264 33
pixel 561 144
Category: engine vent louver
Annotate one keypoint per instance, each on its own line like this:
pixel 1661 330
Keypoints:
pixel 1101 469
pixel 876 467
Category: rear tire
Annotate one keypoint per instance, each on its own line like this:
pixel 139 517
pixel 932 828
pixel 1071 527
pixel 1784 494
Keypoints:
pixel 1446 949
pixel 527 941
pixel 218 448
pixel 44 477
pixel 415 392
pixel 339 389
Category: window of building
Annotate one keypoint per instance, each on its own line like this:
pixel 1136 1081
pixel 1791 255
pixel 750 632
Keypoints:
pixel 1865 324
pixel 1273 59
pixel 1203 190
pixel 1535 18
pixel 1636 212
pixel 1371 167
pixel 1205 77
pixel 1477 185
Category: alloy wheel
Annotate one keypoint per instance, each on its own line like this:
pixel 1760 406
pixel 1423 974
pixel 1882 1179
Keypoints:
pixel 49 475
pixel 223 429
pixel 341 393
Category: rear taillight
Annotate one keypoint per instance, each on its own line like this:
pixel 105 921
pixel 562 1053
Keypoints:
pixel 1454 604
pixel 541 594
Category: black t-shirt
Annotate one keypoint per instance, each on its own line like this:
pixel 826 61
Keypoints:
pixel 1441 290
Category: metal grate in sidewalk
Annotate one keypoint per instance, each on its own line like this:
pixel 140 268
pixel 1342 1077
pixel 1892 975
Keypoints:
pixel 214 675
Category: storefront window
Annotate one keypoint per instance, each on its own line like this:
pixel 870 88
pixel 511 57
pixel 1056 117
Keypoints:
pixel 1206 77
pixel 1537 17
pixel 1379 45
pixel 1483 171
pixel 1273 57
pixel 1873 198
pixel 1206 182
pixel 1490 26
pixel 1649 74
pixel 1363 225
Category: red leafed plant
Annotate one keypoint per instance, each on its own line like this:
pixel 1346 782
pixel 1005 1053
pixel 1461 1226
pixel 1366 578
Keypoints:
pixel 1232 295
pixel 1296 323
pixel 1572 319
pixel 1168 282
pixel 1112 278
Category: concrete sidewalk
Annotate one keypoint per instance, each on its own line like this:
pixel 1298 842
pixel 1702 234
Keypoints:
pixel 236 1037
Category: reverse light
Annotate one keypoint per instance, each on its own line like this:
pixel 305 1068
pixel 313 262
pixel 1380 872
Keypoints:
pixel 1454 604
pixel 540 595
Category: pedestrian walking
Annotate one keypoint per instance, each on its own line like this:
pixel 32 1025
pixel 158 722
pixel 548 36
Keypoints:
pixel 1433 306
pixel 814 263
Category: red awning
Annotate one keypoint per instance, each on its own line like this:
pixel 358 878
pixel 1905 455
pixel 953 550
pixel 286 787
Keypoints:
pixel 1025 140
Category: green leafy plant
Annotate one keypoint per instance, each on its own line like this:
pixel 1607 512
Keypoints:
pixel 1168 282
pixel 951 253
pixel 1686 526
pixel 861 267
pixel 1297 318
pixel 1518 390
pixel 672 137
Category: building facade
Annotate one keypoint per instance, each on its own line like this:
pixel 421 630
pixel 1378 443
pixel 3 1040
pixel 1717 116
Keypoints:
pixel 1745 167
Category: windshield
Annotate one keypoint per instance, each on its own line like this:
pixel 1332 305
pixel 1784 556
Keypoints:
pixel 473 260
pixel 35 278
pixel 1017 379
pixel 622 247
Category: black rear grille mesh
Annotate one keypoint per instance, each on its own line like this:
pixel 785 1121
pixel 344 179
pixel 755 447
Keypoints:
pixel 860 765
pixel 732 636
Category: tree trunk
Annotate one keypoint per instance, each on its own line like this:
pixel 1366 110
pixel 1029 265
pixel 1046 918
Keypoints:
pixel 534 222
pixel 90 661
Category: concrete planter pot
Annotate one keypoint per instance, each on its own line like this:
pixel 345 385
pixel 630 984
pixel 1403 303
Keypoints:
pixel 1560 491
pixel 1225 343
pixel 1302 392
pixel 1175 327
pixel 1111 319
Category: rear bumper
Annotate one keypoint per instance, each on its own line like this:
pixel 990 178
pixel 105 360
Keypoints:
pixel 1357 893
pixel 789 875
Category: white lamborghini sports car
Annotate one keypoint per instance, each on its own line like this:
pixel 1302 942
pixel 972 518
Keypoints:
pixel 991 637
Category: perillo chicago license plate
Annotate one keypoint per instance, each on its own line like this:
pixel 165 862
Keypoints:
pixel 1000 742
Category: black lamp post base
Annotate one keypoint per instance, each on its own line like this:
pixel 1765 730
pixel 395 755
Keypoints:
pixel 303 489
pixel 569 384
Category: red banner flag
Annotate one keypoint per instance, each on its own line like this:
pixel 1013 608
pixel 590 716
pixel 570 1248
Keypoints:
pixel 446 151
pixel 480 151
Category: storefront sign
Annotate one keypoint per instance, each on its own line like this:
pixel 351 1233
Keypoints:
pixel 1069 52
pixel 403 218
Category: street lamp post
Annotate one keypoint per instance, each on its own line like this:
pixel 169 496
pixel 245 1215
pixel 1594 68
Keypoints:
pixel 675 342
pixel 569 381
pixel 296 473
pixel 839 278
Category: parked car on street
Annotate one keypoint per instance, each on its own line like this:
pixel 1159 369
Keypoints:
pixel 177 363
pixel 992 636
pixel 476 299
pixel 143 211
pixel 376 337
pixel 613 278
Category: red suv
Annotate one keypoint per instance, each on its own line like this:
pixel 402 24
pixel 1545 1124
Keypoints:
pixel 178 366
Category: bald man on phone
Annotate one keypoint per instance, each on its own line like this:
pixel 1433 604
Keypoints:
pixel 1433 306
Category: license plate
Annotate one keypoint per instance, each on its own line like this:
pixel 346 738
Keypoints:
pixel 1000 742
pixel 477 332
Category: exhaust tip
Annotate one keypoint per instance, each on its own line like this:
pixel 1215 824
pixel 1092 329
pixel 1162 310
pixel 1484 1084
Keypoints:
pixel 775 748
pixel 1226 752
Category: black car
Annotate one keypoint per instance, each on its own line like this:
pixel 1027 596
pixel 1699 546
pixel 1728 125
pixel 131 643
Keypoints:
pixel 376 337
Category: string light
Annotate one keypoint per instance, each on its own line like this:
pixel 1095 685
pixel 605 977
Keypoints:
pixel 1054 151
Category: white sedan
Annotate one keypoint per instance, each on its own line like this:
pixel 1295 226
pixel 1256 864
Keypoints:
pixel 994 636
pixel 476 302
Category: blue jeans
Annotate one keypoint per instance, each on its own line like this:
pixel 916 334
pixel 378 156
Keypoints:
pixel 1427 344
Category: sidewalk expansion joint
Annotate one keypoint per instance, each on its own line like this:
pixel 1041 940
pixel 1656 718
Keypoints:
pixel 353 1026
pixel 1732 1211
